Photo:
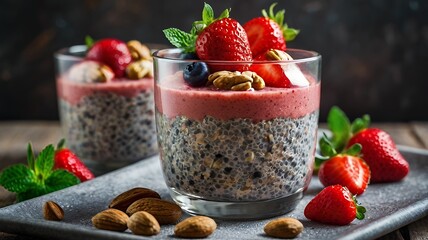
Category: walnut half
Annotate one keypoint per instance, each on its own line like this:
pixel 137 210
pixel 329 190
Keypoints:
pixel 236 81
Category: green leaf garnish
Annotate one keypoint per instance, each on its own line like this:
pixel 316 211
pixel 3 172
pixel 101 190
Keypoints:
pixel 17 178
pixel 289 33
pixel 89 41
pixel 187 41
pixel 340 127
pixel 38 178
pixel 360 209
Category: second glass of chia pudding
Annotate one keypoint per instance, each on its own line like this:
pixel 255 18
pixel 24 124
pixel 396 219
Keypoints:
pixel 236 117
pixel 106 102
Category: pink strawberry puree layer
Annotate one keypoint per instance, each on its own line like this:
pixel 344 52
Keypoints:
pixel 175 98
pixel 73 92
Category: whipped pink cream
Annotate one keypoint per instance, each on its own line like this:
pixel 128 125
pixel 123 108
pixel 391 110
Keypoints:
pixel 73 92
pixel 174 98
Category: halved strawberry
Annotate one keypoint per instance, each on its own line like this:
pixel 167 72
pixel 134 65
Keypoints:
pixel 268 32
pixel 347 168
pixel 272 74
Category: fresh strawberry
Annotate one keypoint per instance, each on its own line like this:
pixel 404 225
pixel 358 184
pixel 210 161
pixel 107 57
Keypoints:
pixel 334 205
pixel 381 154
pixel 224 39
pixel 268 32
pixel 346 169
pixel 112 52
pixel 221 38
pixel 378 149
pixel 272 74
pixel 66 159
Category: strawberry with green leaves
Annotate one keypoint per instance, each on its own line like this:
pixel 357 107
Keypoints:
pixel 38 178
pixel 378 148
pixel 221 38
pixel 66 159
pixel 346 169
pixel 268 32
pixel 334 205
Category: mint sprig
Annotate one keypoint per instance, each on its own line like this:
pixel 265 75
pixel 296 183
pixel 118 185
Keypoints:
pixel 38 178
pixel 289 33
pixel 187 41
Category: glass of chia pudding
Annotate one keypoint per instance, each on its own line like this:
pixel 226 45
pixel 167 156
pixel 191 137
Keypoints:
pixel 245 153
pixel 106 102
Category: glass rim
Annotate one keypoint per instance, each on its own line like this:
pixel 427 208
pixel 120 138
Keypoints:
pixel 65 53
pixel 314 57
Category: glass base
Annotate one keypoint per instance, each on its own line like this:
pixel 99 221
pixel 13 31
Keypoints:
pixel 248 210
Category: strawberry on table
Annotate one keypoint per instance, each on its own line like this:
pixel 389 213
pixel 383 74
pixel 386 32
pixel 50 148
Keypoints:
pixel 268 32
pixel 334 205
pixel 346 169
pixel 112 52
pixel 378 148
pixel 381 154
pixel 66 159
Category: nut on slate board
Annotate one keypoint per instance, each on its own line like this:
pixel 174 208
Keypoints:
pixel 283 228
pixel 143 223
pixel 123 200
pixel 52 211
pixel 164 211
pixel 111 219
pixel 195 227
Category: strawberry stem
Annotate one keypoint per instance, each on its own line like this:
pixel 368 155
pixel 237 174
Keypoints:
pixel 61 144
pixel 360 209
pixel 89 41
pixel 289 33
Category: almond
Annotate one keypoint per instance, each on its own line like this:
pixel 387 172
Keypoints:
pixel 283 228
pixel 164 211
pixel 195 227
pixel 52 211
pixel 111 219
pixel 143 223
pixel 123 200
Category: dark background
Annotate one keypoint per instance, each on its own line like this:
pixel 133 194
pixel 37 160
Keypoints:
pixel 375 53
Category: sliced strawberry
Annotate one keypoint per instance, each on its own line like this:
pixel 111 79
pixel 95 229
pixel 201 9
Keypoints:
pixel 349 171
pixel 112 52
pixel 272 74
pixel 334 205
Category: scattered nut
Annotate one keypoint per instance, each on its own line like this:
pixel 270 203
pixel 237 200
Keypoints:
pixel 283 228
pixel 236 81
pixel 52 211
pixel 90 71
pixel 143 223
pixel 139 69
pixel 139 51
pixel 111 219
pixel 275 54
pixel 165 212
pixel 195 227
pixel 123 200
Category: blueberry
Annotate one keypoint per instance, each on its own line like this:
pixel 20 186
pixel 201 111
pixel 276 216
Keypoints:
pixel 189 56
pixel 196 74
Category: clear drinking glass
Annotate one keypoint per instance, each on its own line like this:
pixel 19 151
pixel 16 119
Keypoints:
pixel 237 154
pixel 107 124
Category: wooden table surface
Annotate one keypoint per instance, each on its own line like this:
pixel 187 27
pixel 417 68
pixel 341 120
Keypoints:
pixel 14 137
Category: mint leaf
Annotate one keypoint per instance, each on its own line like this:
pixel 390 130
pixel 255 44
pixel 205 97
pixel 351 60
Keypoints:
pixel 60 179
pixel 89 41
pixel 340 126
pixel 180 39
pixel 45 162
pixel 35 191
pixel 30 157
pixel 207 13
pixel 17 178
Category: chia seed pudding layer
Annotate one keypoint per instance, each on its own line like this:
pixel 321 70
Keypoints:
pixel 237 159
pixel 106 127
